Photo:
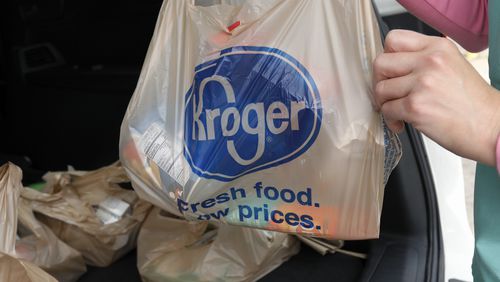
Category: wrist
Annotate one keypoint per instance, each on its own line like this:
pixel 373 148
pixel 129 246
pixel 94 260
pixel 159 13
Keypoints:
pixel 489 129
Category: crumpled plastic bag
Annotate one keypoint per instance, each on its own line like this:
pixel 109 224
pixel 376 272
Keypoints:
pixel 39 245
pixel 173 249
pixel 71 206
pixel 10 191
pixel 259 113
pixel 12 268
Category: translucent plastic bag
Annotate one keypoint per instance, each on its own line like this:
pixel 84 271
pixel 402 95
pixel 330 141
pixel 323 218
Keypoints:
pixel 172 249
pixel 259 113
pixel 11 267
pixel 78 207
pixel 39 245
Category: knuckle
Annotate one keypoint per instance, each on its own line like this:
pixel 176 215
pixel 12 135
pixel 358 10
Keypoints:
pixel 380 87
pixel 378 63
pixel 378 96
pixel 391 37
pixel 384 109
pixel 437 59
pixel 413 107
pixel 426 81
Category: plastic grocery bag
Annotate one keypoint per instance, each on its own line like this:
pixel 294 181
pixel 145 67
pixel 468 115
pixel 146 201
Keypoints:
pixel 90 212
pixel 259 113
pixel 35 242
pixel 39 245
pixel 12 268
pixel 173 249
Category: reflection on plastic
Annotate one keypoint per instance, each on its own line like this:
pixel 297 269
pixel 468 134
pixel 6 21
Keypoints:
pixel 268 125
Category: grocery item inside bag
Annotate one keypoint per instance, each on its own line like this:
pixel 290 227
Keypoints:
pixel 238 119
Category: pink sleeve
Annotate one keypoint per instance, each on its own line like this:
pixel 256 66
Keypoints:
pixel 466 21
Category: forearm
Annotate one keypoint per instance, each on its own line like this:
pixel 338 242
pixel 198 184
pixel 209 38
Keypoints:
pixel 465 21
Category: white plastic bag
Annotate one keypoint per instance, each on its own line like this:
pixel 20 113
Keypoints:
pixel 39 245
pixel 11 267
pixel 172 249
pixel 258 113
pixel 73 205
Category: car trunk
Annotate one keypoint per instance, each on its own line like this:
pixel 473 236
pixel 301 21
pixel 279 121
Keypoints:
pixel 67 73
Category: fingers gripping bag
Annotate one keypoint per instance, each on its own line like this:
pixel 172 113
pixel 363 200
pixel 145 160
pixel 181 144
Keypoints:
pixel 259 113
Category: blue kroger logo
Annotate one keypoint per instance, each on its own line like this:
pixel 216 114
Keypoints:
pixel 250 109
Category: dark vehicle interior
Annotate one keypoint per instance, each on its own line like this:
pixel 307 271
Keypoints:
pixel 67 72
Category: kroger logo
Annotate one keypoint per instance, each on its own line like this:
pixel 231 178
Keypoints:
pixel 251 108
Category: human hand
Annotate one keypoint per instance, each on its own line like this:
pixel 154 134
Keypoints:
pixel 425 81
